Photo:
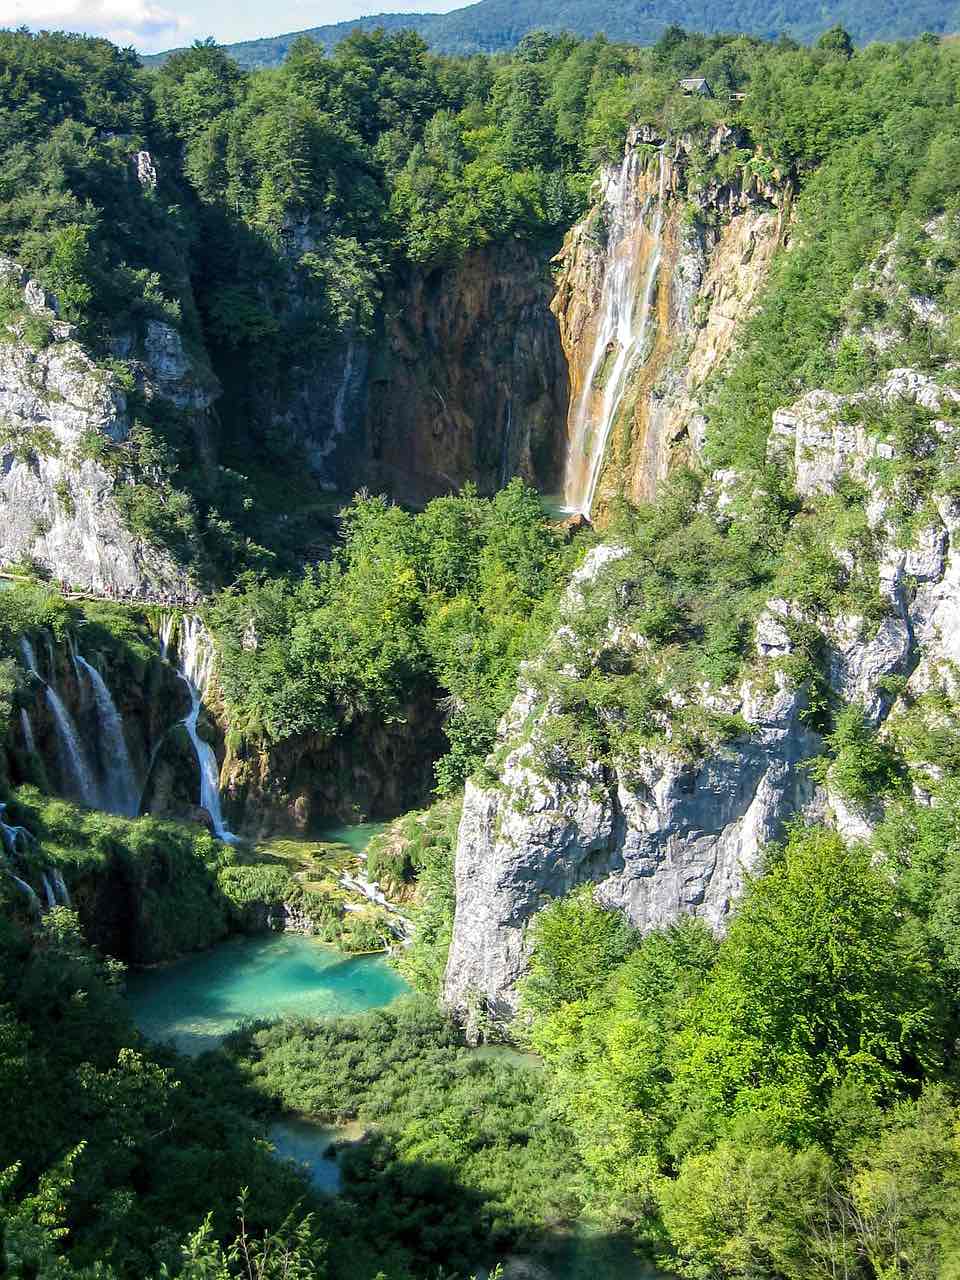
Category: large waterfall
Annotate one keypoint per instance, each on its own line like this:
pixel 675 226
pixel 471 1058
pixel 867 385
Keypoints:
pixel 75 768
pixel 116 789
pixel 120 791
pixel 195 655
pixel 633 255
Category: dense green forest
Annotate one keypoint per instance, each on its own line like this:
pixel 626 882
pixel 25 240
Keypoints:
pixel 780 1104
pixel 497 26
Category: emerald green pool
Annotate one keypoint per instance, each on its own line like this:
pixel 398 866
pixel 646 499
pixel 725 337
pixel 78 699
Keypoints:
pixel 195 1002
pixel 355 836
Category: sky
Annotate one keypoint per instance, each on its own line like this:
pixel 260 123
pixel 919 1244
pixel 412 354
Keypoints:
pixel 153 25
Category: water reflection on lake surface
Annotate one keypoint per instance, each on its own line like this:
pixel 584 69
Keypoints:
pixel 197 1001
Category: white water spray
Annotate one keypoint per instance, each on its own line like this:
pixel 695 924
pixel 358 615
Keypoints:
pixel 339 409
pixel 121 793
pixel 195 654
pixel 60 885
pixel 48 892
pixel 74 765
pixel 626 307
pixel 28 739
pixel 29 657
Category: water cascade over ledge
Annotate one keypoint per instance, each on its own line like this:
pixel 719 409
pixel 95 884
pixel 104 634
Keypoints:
pixel 121 791
pixel 16 840
pixel 75 767
pixel 633 255
pixel 194 661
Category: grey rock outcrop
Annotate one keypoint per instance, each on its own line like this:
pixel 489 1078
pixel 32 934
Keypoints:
pixel 665 837
pixel 60 414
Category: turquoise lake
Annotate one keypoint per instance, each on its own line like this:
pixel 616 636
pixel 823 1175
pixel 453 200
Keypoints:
pixel 355 836
pixel 196 1001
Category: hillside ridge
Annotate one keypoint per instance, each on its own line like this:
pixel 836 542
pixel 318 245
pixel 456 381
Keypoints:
pixel 495 26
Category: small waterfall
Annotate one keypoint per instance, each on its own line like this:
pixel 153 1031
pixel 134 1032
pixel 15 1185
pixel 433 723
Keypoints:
pixel 621 334
pixel 121 793
pixel 194 666
pixel 75 769
pixel 28 739
pixel 60 885
pixel 29 657
pixel 74 765
pixel 339 408
pixel 34 900
pixel 48 892
pixel 14 838
pixel 168 624
pixel 506 446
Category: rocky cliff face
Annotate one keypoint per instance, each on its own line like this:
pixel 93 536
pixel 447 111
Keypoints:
pixel 371 772
pixel 661 836
pixel 653 284
pixel 471 382
pixel 64 426
pixel 465 381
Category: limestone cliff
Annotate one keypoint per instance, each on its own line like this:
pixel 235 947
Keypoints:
pixel 65 426
pixel 661 834
pixel 372 771
pixel 652 286
pixel 471 381
pixel 464 380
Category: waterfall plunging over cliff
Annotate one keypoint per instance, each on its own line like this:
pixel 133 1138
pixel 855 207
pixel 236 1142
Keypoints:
pixel 75 768
pixel 633 256
pixel 27 729
pixel 195 655
pixel 121 791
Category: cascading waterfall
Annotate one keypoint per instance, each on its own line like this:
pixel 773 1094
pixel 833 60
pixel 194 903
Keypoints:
pixel 28 739
pixel 60 885
pixel 121 792
pixel 339 407
pixel 195 656
pixel 31 895
pixel 29 657
pixel 626 307
pixel 48 892
pixel 14 838
pixel 73 761
pixel 17 839
pixel 74 765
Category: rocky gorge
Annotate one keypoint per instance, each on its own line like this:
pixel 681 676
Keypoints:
pixel 485 371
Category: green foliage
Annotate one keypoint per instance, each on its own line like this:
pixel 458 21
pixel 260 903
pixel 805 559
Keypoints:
pixel 498 26
pixel 576 945
pixel 413 860
pixel 865 137
pixel 462 1140
pixel 817 986
pixel 754 1106
pixel 68 273
pixel 862 765
pixel 453 597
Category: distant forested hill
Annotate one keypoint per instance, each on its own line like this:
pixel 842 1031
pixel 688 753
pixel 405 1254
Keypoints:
pixel 492 26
